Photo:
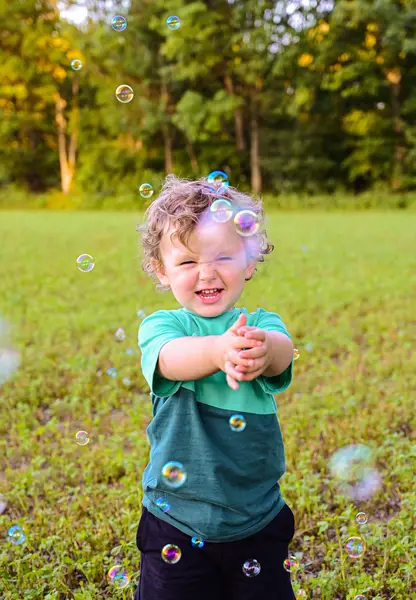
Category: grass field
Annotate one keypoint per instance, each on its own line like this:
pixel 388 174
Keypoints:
pixel 345 286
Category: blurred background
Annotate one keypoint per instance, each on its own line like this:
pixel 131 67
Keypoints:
pixel 289 98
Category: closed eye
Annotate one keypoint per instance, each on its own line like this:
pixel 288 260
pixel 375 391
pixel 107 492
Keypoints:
pixel 192 261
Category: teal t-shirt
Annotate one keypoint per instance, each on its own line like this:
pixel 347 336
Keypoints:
pixel 231 490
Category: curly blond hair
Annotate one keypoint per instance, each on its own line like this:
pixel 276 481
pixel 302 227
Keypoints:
pixel 180 203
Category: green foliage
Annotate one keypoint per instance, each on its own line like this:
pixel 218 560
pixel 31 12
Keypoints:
pixel 331 90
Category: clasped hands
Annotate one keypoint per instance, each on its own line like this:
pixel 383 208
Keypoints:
pixel 246 365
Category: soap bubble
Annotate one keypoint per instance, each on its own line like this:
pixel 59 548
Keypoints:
pixel 355 547
pixel 173 22
pixel 85 263
pixel 163 504
pixel 291 564
pixel 9 357
pixel 76 64
pixel 246 223
pixel 82 438
pixel 126 381
pixel 3 503
pixel 141 314
pixel 118 576
pixel 174 474
pixel 295 354
pixel 237 423
pixel 120 335
pixel 359 597
pixel 352 467
pixel 16 535
pixel 118 23
pixel 219 181
pixel 197 542
pixel 124 93
pixel 251 568
pixel 171 554
pixel 130 351
pixel 361 518
pixel 146 190
pixel 300 594
pixel 221 210
pixel 112 372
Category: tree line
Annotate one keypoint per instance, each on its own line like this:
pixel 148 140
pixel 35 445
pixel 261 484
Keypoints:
pixel 284 96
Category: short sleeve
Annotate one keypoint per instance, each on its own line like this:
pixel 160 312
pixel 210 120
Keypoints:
pixel 154 332
pixel 272 322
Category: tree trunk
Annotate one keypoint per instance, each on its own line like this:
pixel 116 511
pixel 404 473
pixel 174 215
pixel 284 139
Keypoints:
pixel 256 182
pixel 192 157
pixel 167 141
pixel 167 136
pixel 399 151
pixel 67 158
pixel 238 118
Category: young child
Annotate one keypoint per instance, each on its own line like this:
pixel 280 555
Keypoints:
pixel 214 524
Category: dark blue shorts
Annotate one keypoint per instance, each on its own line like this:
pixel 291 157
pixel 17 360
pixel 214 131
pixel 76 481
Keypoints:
pixel 214 572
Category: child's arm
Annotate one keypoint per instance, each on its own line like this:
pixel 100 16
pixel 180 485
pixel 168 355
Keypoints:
pixel 189 358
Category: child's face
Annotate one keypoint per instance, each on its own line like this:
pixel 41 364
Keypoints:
pixel 216 258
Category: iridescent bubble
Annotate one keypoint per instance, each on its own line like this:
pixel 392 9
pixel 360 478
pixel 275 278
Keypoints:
pixel 9 361
pixel 85 263
pixel 118 576
pixel 300 594
pixel 359 597
pixel 237 423
pixel 112 372
pixel 171 554
pixel 295 354
pixel 221 210
pixel 355 547
pixel 219 181
pixel 82 438
pixel 141 314
pixel 173 22
pixel 251 567
pixel 246 222
pixel 361 518
pixel 174 474
pixel 130 351
pixel 163 504
pixel 3 503
pixel 124 93
pixel 126 381
pixel 197 542
pixel 16 535
pixel 76 64
pixel 352 467
pixel 291 564
pixel 146 190
pixel 118 23
pixel 120 335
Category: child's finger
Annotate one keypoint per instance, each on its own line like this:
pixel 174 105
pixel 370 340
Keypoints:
pixel 231 370
pixel 232 382
pixel 252 353
pixel 256 334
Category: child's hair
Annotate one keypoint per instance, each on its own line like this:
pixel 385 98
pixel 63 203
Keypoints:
pixel 180 203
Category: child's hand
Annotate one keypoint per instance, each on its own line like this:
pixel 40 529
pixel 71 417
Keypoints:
pixel 258 357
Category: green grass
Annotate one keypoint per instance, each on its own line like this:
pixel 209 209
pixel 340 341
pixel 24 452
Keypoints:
pixel 349 303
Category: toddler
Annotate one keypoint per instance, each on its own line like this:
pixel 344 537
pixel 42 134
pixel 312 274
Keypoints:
pixel 214 524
